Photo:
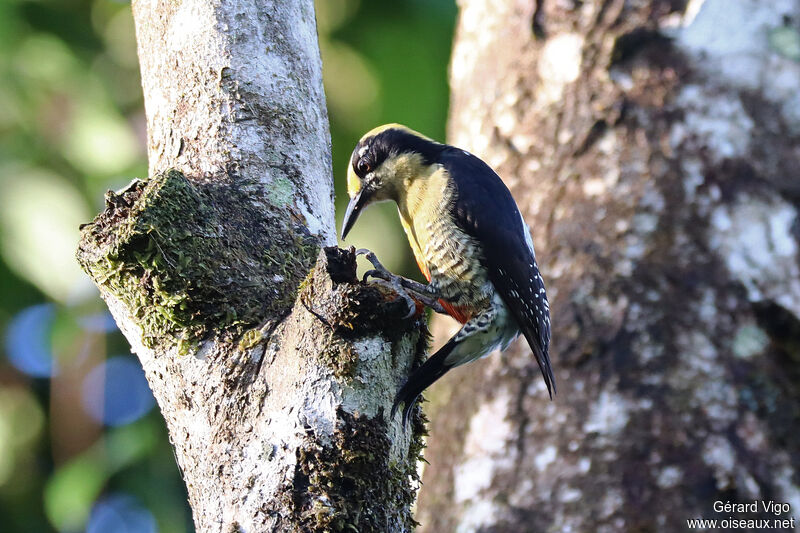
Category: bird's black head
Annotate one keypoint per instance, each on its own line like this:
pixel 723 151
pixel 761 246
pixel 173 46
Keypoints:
pixel 383 158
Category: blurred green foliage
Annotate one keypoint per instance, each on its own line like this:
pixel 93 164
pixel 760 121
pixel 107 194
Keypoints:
pixel 386 63
pixel 72 126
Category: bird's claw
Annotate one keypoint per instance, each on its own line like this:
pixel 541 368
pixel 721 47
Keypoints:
pixel 372 258
pixel 425 294
pixel 369 253
pixel 375 274
pixel 401 293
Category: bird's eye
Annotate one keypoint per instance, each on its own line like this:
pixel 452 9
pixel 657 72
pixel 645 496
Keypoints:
pixel 363 167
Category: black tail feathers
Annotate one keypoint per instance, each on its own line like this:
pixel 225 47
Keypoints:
pixel 543 359
pixel 421 379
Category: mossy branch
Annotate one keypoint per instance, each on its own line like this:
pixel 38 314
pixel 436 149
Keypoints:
pixel 180 257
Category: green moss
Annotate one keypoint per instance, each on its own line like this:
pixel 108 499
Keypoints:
pixel 250 338
pixel 341 358
pixel 306 283
pixel 179 256
pixel 335 484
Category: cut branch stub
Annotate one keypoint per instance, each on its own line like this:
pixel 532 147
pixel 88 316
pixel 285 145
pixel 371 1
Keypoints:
pixel 350 308
pixel 180 257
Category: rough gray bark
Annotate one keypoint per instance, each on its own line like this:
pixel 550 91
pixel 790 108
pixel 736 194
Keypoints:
pixel 273 377
pixel 654 149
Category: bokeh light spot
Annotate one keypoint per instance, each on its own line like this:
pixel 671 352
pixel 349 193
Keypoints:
pixel 39 217
pixel 120 513
pixel 351 87
pixel 116 392
pixel 21 423
pixel 28 341
pixel 46 59
pixel 101 141
pixel 99 323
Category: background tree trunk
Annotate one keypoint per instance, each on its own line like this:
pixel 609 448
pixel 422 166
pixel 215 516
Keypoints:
pixel 654 149
pixel 273 377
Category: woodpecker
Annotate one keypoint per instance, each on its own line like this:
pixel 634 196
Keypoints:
pixel 470 242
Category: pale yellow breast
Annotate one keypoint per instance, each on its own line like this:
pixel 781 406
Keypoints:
pixel 439 246
pixel 422 208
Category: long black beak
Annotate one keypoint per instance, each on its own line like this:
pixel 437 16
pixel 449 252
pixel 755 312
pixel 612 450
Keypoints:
pixel 353 210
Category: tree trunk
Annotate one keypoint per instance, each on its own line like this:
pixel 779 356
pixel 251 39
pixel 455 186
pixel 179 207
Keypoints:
pixel 654 150
pixel 273 373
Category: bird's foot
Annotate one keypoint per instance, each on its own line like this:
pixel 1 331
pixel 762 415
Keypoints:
pixel 408 289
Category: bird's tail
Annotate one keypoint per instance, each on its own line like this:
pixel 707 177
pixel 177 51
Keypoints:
pixel 434 368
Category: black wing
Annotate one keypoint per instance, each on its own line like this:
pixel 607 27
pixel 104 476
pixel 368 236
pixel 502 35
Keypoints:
pixel 485 209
